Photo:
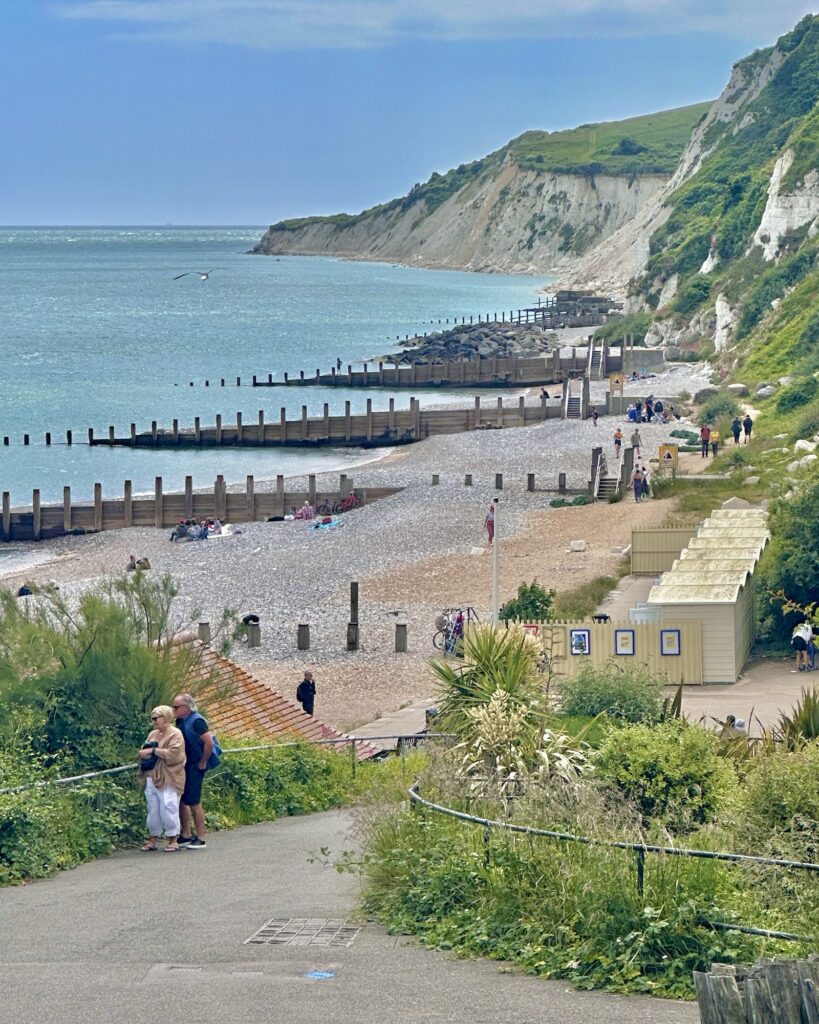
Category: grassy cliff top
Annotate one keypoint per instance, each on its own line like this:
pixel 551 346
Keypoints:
pixel 651 144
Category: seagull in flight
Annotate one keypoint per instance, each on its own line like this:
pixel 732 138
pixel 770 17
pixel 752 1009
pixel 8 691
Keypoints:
pixel 203 274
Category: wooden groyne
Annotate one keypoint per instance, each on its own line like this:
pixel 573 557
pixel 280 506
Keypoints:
pixel 162 510
pixel 371 429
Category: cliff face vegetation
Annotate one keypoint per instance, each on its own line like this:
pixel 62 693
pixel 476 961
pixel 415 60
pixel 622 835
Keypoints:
pixel 539 203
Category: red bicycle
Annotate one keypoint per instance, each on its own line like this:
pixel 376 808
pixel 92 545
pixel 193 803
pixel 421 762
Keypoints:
pixel 350 502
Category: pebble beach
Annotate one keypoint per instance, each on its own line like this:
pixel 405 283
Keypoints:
pixel 413 554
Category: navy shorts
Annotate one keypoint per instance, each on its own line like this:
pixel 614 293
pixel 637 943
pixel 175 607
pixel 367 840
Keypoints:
pixel 192 793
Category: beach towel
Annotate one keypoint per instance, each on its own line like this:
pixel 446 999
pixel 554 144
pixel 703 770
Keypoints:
pixel 327 523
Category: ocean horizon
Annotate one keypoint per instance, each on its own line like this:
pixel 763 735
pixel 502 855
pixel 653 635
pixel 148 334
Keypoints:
pixel 96 332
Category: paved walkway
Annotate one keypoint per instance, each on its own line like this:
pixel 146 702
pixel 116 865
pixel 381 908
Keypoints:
pixel 143 937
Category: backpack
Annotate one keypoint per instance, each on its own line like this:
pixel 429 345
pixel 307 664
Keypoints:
pixel 216 753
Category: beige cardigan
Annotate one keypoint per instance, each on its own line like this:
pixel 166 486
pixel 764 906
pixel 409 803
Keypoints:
pixel 170 768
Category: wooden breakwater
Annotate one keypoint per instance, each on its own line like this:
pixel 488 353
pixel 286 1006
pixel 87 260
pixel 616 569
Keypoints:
pixel 162 510
pixel 371 429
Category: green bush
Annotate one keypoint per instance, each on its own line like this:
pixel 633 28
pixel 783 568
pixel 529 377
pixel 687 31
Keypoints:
pixel 799 393
pixel 533 604
pixel 624 692
pixel 671 772
pixel 693 295
pixel 718 407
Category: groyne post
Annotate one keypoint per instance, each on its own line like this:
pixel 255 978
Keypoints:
pixel 203 632
pixel 352 625
pixel 254 634
pixel 500 412
pixel 48 438
pixel 239 434
pixel 283 425
pixel 197 431
pixel 111 435
pixel 176 431
pixel 261 427
pixel 347 423
pixel 90 435
pixel 436 479
pixel 219 428
pixel 311 489
pixel 304 426
pixel 97 508
pixel 400 638
pixel 530 481
pixel 303 636
pixel 392 415
pixel 318 375
pixel 154 433
pixel 326 412
pixel 369 419
pixel 36 515
pixel 67 509
pixel 250 493
pixel 477 411
pixel 158 502
pixel 381 372
pixel 349 374
pixel 468 480
pixel 280 495
pixel 561 483
pixel 133 435
pixel 6 515
pixel 189 497
pixel 522 410
pixel 127 506
pixel 220 498
pixel 69 437
pixel 344 488
pixel 499 481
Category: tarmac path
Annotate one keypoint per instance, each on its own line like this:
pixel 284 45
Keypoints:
pixel 144 937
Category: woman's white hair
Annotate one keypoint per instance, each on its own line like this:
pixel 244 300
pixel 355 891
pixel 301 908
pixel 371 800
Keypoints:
pixel 188 700
pixel 165 711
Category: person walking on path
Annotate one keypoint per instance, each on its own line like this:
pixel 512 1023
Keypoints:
pixel 306 693
pixel 198 748
pixel 489 522
pixel 747 426
pixel 736 429
pixel 618 441
pixel 637 483
pixel 714 442
pixel 636 441
pixel 162 773
pixel 646 483
pixel 594 416
pixel 705 439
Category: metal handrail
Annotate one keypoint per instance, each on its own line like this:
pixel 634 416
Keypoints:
pixel 640 849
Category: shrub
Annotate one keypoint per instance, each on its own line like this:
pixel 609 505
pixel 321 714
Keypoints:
pixel 797 394
pixel 671 772
pixel 718 407
pixel 625 692
pixel 693 295
pixel 533 604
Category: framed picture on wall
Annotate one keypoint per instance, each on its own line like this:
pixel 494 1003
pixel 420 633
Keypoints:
pixel 669 643
pixel 624 642
pixel 580 641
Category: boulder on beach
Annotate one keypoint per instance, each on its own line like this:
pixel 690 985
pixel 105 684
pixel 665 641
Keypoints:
pixel 470 341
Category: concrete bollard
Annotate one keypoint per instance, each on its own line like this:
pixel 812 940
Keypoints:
pixel 468 480
pixel 435 479
pixel 400 638
pixel 25 438
pixel 254 634
pixel 499 481
pixel 530 481
pixel 203 632
pixel 561 483
pixel 303 636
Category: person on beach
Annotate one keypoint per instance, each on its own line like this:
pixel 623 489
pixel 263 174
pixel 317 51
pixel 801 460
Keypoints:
pixel 636 442
pixel 800 638
pixel 132 564
pixel 705 439
pixel 618 441
pixel 489 522
pixel 649 411
pixel 736 429
pixel 714 442
pixel 198 749
pixel 637 483
pixel 594 416
pixel 306 693
pixel 306 511
pixel 544 393
pixel 162 773
pixel 338 363
pixel 747 426
pixel 646 482
pixel 180 531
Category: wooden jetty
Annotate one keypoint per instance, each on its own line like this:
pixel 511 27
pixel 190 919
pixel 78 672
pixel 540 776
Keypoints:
pixel 162 510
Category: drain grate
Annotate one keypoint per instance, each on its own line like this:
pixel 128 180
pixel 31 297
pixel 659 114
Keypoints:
pixel 305 931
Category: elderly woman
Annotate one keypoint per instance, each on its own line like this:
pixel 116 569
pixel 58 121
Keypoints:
pixel 162 772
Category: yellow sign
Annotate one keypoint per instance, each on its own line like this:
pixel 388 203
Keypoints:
pixel 668 457
pixel 616 383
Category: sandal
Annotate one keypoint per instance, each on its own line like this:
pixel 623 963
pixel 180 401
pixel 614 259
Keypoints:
pixel 171 848
pixel 148 848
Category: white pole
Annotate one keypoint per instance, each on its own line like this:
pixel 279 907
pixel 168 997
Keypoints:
pixel 495 545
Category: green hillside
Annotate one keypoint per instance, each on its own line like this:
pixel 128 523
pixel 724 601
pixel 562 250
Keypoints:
pixel 650 144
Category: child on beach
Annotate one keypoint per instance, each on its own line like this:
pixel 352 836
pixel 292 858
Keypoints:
pixel 618 441
pixel 489 522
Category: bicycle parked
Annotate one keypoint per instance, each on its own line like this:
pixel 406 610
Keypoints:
pixel 327 508
pixel 451 624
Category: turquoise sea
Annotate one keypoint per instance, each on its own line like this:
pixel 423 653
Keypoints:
pixel 95 331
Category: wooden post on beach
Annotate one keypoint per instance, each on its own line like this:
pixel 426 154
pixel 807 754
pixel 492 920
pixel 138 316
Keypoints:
pixel 352 625
pixel 530 481
pixel 381 372
pixel 318 375
pixel 369 419
pixel 303 636
pixel 468 480
pixel 477 411
pixel 69 437
pixel 261 426
pixel 343 486
pixel 239 433
pixel 6 515
pixel 90 435
pixel 220 495
pixel 556 368
pixel 334 381
pixel 110 435
pixel 543 407
pixel 391 421
pixel 349 375
pixel 203 632
pixel 127 505
pixel 197 430
pixel 153 433
pixel 304 426
pixel 522 410
pixel 283 425
pixel 98 507
pixel 254 634
pixel 500 412
pixel 189 497
pixel 400 638
pixel 218 429
pixel 269 378
pixel 561 483
pixel 280 495
pixel 67 509
pixel 326 412
pixel 499 481
pixel 251 499
pixel 311 489
pixel 48 437
pixel 238 382
pixel 25 439
pixel 6 440
pixel 36 516
pixel 435 479
pixel 158 523
pixel 347 423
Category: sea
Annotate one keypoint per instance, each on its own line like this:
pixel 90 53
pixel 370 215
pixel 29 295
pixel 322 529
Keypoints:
pixel 96 331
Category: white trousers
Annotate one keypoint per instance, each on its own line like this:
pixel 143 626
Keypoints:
pixel 163 809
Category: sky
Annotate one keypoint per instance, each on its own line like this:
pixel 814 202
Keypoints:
pixel 249 111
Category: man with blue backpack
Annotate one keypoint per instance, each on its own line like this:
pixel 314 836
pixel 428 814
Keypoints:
pixel 202 751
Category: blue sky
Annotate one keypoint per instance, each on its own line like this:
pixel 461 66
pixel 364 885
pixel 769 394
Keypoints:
pixel 247 111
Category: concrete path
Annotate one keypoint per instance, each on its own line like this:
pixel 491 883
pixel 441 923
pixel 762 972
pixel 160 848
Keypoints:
pixel 144 937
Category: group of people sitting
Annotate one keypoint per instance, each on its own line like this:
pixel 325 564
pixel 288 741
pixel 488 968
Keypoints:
pixel 189 529
pixel 135 563
pixel 651 412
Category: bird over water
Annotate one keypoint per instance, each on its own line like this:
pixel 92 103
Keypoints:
pixel 203 274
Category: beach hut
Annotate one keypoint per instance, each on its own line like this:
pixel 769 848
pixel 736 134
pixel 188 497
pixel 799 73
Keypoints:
pixel 712 582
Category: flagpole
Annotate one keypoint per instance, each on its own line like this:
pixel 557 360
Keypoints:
pixel 495 545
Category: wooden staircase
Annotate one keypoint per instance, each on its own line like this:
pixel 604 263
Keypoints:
pixel 573 408
pixel 607 488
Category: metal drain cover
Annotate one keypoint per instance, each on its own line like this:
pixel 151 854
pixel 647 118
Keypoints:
pixel 305 931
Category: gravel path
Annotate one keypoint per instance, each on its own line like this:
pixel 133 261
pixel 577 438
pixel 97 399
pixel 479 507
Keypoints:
pixel 415 552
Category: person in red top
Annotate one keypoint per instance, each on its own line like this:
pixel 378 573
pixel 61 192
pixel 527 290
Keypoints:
pixel 705 439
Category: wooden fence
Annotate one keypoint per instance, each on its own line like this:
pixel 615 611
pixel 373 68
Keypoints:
pixel 39 522
pixel 655 551
pixel 772 992
pixel 673 650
